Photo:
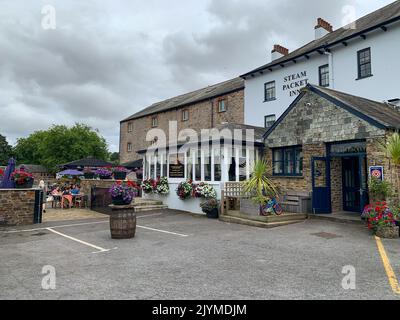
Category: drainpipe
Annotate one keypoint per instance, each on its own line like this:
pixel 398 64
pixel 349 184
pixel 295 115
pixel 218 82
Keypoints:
pixel 331 74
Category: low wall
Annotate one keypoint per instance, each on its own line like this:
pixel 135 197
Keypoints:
pixel 86 186
pixel 17 207
pixel 173 202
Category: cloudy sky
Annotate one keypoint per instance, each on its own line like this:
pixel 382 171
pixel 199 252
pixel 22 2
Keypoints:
pixel 108 59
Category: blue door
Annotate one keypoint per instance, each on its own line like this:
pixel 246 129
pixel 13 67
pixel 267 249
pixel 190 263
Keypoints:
pixel 321 184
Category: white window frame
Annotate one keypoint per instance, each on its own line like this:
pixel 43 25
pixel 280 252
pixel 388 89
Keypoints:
pixel 185 115
pixel 130 127
pixel 220 103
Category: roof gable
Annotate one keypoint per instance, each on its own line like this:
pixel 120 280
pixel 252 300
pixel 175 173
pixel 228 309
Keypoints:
pixel 377 114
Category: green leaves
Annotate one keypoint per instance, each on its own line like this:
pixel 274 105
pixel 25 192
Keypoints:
pixel 259 184
pixel 5 150
pixel 61 144
pixel 393 148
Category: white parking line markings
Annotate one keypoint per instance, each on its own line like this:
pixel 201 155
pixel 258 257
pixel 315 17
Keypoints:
pixel 100 249
pixel 163 231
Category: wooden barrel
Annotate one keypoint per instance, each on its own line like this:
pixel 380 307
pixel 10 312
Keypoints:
pixel 122 224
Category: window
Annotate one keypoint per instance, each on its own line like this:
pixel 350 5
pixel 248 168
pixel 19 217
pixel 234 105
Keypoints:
pixel 129 147
pixel 270 91
pixel 222 106
pixel 364 63
pixel 185 115
pixel 287 161
pixel 218 155
pixel 324 76
pixel 154 122
pixel 130 127
pixel 269 120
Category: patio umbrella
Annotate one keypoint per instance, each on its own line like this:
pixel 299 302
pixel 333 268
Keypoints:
pixel 70 172
pixel 7 183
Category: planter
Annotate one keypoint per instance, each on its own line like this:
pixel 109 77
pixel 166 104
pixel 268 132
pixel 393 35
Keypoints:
pixel 213 214
pixel 104 178
pixel 122 222
pixel 27 185
pixel 120 175
pixel 89 175
pixel 119 202
pixel 248 207
pixel 387 232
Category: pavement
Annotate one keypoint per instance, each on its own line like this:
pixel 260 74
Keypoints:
pixel 179 256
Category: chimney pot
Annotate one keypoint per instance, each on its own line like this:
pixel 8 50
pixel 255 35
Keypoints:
pixel 322 28
pixel 278 52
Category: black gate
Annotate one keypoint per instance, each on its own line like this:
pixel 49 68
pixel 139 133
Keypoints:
pixel 37 211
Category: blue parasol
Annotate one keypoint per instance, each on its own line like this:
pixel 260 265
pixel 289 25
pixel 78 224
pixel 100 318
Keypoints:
pixel 7 182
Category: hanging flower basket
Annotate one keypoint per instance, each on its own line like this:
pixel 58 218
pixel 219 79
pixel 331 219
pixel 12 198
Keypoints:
pixel 120 173
pixel 185 190
pixel 22 179
pixel 104 173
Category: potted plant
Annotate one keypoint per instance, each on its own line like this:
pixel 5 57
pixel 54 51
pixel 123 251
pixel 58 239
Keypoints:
pixel 104 173
pixel 120 173
pixel 204 190
pixel 122 194
pixel 149 185
pixel 258 189
pixel 88 173
pixel 381 220
pixel 22 179
pixel 211 208
pixel 185 190
pixel 162 187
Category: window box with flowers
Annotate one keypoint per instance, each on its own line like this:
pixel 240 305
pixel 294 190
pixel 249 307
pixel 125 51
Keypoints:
pixel 104 173
pixel 22 179
pixel 120 173
pixel 381 220
pixel 88 173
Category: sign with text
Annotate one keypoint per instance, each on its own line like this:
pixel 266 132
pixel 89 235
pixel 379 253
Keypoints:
pixel 177 166
pixel 376 172
pixel 294 83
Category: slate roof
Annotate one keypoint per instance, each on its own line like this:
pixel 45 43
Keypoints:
pixel 191 98
pixel 134 164
pixel 382 17
pixel 87 162
pixel 379 114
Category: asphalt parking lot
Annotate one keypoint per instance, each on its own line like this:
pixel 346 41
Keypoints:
pixel 179 256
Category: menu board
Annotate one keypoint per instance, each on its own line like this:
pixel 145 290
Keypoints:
pixel 177 171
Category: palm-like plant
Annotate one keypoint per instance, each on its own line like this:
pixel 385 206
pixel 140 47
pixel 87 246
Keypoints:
pixel 393 152
pixel 259 184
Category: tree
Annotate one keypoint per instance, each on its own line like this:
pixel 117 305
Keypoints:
pixel 393 152
pixel 114 157
pixel 61 144
pixel 5 150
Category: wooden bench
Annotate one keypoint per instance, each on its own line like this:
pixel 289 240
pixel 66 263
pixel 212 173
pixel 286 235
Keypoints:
pixel 296 202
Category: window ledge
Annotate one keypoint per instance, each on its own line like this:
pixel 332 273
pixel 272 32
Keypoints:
pixel 269 100
pixel 288 176
pixel 361 78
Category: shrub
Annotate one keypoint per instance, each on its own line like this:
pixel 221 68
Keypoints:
pixel 185 190
pixel 379 190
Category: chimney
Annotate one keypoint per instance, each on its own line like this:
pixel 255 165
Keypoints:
pixel 322 28
pixel 278 52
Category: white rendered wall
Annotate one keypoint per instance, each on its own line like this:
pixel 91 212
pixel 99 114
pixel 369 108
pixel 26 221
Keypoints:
pixel 382 86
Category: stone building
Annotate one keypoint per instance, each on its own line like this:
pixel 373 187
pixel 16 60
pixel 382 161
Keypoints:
pixel 325 144
pixel 202 109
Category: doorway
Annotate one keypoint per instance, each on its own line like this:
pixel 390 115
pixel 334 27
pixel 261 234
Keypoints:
pixel 354 183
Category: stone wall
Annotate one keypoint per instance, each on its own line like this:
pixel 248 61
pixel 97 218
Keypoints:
pixel 17 207
pixel 86 187
pixel 202 115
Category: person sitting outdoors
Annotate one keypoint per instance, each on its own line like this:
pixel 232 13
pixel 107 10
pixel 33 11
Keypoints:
pixel 76 190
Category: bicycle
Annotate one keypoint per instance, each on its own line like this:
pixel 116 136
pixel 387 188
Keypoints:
pixel 271 207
